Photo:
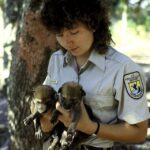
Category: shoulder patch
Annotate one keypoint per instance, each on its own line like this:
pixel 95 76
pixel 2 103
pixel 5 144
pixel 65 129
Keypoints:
pixel 134 85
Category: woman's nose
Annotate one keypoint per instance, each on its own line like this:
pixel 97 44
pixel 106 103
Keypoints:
pixel 68 39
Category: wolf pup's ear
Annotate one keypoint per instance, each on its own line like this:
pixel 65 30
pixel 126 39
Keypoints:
pixel 60 89
pixel 56 96
pixel 30 95
pixel 83 92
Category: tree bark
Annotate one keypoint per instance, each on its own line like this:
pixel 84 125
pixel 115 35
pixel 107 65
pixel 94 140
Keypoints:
pixel 30 55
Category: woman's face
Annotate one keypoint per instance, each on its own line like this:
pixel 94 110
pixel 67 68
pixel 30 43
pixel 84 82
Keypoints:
pixel 77 40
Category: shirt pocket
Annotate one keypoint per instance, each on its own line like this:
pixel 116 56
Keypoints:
pixel 103 107
pixel 99 101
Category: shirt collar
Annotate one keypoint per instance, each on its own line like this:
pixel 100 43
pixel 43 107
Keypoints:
pixel 98 59
pixel 68 58
pixel 95 58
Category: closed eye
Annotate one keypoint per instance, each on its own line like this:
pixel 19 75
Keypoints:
pixel 74 32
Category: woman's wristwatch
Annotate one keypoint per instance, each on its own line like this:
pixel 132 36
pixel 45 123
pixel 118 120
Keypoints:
pixel 97 129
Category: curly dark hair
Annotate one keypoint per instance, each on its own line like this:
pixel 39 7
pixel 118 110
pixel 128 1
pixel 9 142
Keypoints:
pixel 59 14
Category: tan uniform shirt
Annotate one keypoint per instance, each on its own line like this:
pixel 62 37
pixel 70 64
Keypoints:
pixel 114 85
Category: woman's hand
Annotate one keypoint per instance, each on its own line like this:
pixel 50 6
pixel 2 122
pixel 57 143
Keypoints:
pixel 65 116
pixel 46 125
pixel 84 125
pixel 44 120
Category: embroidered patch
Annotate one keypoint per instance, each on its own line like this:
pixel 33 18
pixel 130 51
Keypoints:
pixel 134 85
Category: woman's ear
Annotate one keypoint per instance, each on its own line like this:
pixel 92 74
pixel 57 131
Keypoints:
pixel 92 28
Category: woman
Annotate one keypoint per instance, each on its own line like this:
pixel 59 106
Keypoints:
pixel 114 84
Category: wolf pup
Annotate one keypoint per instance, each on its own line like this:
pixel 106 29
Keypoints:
pixel 44 98
pixel 70 97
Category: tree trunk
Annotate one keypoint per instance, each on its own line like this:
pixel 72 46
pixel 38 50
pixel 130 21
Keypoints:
pixel 30 55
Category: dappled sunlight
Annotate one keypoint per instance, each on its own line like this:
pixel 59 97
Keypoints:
pixel 134 42
pixel 12 116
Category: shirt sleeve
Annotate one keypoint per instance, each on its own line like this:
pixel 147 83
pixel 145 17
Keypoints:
pixel 53 70
pixel 50 68
pixel 131 94
pixel 47 80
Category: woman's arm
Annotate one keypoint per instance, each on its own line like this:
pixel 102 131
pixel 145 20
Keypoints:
pixel 124 132
pixel 121 132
